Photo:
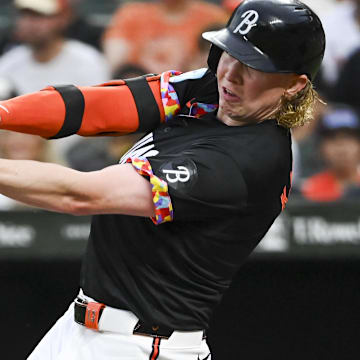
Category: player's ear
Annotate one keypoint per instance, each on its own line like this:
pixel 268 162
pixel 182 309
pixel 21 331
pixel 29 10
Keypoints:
pixel 297 84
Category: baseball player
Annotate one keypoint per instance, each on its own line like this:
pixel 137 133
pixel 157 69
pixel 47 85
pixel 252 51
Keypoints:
pixel 175 219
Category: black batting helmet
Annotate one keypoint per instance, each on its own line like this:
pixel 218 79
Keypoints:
pixel 282 36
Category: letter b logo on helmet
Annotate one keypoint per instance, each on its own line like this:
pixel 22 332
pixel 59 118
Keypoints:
pixel 280 36
pixel 250 19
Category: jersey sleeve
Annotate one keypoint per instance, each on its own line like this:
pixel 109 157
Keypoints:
pixel 203 183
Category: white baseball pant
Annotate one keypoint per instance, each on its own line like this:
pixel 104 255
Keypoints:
pixel 68 340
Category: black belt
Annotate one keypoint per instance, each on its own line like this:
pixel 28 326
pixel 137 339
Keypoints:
pixel 89 314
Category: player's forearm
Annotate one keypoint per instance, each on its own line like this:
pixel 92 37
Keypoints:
pixel 86 111
pixel 48 186
pixel 117 189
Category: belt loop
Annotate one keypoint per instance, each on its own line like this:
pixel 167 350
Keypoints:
pixel 92 314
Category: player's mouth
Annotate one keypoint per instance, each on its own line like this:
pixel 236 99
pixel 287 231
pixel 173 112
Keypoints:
pixel 228 95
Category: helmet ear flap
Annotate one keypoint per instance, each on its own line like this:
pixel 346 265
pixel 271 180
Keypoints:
pixel 214 57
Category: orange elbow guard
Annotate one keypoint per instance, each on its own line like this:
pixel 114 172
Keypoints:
pixel 114 108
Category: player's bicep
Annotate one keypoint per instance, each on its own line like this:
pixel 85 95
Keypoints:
pixel 117 189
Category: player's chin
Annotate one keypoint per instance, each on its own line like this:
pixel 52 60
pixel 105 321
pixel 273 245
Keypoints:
pixel 233 110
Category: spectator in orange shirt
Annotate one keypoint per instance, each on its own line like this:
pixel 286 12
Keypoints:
pixel 158 35
pixel 230 5
pixel 340 150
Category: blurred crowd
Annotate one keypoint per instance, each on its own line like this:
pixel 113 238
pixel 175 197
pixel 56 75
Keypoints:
pixel 53 42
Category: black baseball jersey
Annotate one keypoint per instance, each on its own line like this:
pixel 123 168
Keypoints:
pixel 219 189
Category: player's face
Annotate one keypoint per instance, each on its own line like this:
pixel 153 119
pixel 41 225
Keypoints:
pixel 247 95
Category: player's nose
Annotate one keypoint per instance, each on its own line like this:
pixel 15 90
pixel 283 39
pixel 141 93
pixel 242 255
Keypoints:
pixel 235 72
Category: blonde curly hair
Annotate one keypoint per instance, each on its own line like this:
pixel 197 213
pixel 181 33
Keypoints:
pixel 299 109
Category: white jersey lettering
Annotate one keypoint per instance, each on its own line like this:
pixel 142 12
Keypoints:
pixel 182 174
pixel 144 147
